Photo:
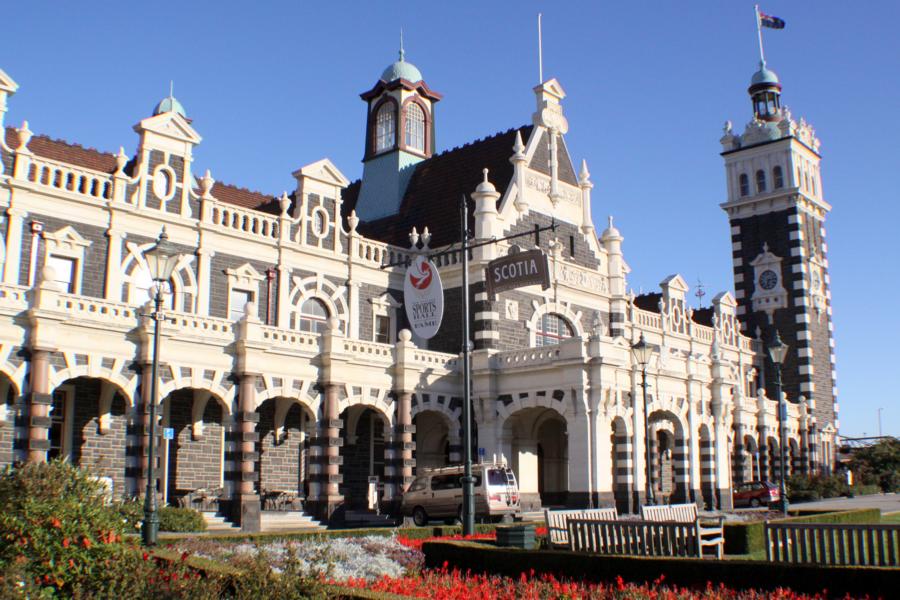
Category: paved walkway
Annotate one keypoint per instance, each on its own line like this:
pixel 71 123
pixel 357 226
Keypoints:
pixel 886 502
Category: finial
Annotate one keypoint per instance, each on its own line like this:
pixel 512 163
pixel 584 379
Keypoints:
pixel 402 53
pixel 765 246
pixel 413 237
pixel 585 174
pixel 285 203
pixel 610 221
pixel 518 146
pixel 425 237
pixel 171 89
pixel 121 160
pixel 484 172
pixel 353 220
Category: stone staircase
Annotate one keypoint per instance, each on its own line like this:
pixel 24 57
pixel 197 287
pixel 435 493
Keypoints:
pixel 217 525
pixel 366 519
pixel 283 521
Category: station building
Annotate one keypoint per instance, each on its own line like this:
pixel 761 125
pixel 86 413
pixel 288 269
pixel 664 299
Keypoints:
pixel 286 362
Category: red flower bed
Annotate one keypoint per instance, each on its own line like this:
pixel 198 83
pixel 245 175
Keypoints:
pixel 416 544
pixel 444 584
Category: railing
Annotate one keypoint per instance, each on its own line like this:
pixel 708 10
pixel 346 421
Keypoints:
pixel 704 333
pixel 369 350
pixel 241 220
pixel 429 358
pixel 377 254
pixel 833 544
pixel 647 319
pixel 195 325
pixel 13 296
pixel 94 309
pixel 50 173
pixel 516 358
pixel 286 338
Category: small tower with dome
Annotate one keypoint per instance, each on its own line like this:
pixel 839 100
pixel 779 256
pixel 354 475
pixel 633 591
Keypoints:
pixel 399 134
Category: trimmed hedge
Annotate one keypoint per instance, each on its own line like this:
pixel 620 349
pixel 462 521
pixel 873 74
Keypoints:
pixel 858 516
pixel 686 572
pixel 414 533
pixel 180 520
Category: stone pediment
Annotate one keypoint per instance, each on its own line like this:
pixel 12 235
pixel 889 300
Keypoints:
pixel 675 282
pixel 67 238
pixel 725 299
pixel 171 125
pixel 7 84
pixel 325 171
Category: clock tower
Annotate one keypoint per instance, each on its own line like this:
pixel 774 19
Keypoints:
pixel 777 211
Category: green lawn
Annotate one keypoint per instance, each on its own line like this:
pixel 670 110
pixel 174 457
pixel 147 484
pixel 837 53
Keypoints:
pixel 891 518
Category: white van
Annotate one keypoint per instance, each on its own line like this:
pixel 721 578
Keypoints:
pixel 437 494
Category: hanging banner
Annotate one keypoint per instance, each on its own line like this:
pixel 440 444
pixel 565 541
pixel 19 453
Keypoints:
pixel 423 296
pixel 516 270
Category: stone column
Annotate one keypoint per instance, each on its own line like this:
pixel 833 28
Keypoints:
pixel 330 436
pixel 246 510
pixel 39 401
pixel 404 383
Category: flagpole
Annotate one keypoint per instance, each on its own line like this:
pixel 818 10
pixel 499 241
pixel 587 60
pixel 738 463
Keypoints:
pixel 540 53
pixel 762 57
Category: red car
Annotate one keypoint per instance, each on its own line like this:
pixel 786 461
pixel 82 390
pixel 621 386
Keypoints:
pixel 756 493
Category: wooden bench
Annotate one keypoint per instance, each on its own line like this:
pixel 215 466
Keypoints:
pixel 833 544
pixel 634 538
pixel 710 532
pixel 557 530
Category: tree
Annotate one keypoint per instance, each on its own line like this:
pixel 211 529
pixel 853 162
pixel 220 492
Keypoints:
pixel 879 464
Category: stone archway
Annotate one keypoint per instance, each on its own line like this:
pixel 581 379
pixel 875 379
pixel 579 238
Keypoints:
pixel 537 438
pixel 752 464
pixel 8 394
pixel 89 427
pixel 668 456
pixel 434 439
pixel 365 432
pixel 285 428
pixel 194 457
pixel 773 453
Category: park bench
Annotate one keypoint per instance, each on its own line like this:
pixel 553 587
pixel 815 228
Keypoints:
pixel 833 544
pixel 710 532
pixel 557 530
pixel 634 538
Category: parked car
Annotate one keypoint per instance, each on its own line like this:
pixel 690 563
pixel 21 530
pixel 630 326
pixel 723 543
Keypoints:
pixel 756 493
pixel 437 493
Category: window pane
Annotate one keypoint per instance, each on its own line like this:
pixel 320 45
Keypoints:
pixel 239 300
pixel 385 128
pixel 383 329
pixel 65 272
pixel 313 316
pixel 415 127
pixel 553 329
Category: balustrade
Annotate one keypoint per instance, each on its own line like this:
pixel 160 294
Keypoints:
pixel 242 220
pixel 61 176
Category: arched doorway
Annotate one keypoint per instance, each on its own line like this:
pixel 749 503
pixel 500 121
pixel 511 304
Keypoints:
pixel 193 457
pixel 538 442
pixel 364 433
pixel 285 427
pixel 774 459
pixel 89 428
pixel 752 470
pixel 433 440
pixel 621 465
pixel 668 457
pixel 8 395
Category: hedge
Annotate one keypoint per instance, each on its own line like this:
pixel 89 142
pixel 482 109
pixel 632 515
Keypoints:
pixel 858 516
pixel 414 533
pixel 686 572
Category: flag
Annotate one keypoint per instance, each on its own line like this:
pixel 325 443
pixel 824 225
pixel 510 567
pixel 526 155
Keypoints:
pixel 770 21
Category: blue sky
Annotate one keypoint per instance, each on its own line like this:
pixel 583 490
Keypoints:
pixel 272 86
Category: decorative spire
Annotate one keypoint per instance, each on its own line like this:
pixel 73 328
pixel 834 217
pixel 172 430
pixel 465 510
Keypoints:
pixel 402 53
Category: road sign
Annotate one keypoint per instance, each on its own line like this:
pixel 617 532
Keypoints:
pixel 168 433
pixel 423 295
pixel 481 453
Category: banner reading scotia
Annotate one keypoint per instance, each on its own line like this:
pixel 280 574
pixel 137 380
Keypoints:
pixel 423 296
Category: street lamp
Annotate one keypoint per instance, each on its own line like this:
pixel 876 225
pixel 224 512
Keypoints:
pixel 777 352
pixel 161 261
pixel 642 352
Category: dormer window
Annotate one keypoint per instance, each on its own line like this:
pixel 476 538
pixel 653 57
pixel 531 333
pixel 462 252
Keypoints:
pixel 385 128
pixel 760 181
pixel 778 178
pixel 415 127
pixel 745 184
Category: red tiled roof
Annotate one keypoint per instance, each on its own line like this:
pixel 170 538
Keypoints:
pixel 73 154
pixel 238 196
pixel 436 186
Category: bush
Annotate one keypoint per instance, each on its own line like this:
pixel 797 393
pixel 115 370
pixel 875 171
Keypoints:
pixel 180 520
pixel 879 465
pixel 814 487
pixel 55 525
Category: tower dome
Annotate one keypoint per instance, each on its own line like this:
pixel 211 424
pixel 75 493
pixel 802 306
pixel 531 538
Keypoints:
pixel 765 93
pixel 169 104
pixel 764 76
pixel 400 69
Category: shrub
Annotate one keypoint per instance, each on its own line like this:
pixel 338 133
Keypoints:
pixel 181 520
pixel 55 524
pixel 814 487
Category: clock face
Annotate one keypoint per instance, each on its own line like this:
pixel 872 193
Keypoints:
pixel 768 279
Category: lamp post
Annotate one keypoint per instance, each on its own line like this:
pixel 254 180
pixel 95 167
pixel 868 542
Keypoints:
pixel 777 352
pixel 642 352
pixel 161 261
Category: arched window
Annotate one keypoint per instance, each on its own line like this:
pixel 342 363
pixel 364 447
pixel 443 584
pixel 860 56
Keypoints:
pixel 385 127
pixel 760 181
pixel 313 316
pixel 552 330
pixel 745 184
pixel 143 287
pixel 777 178
pixel 415 127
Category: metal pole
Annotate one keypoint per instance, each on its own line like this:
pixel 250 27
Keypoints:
pixel 150 529
pixel 879 421
pixel 650 499
pixel 468 507
pixel 782 410
pixel 762 57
